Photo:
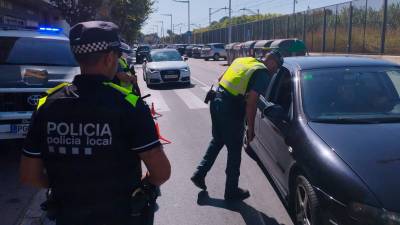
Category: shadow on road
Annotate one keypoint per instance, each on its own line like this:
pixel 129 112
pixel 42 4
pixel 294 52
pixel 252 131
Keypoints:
pixel 250 215
pixel 171 86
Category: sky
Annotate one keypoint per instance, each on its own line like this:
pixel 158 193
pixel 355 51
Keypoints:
pixel 199 11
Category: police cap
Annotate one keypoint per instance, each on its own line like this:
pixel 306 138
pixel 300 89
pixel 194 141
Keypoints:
pixel 94 37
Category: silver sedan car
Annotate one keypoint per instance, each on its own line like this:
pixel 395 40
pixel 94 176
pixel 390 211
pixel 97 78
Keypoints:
pixel 164 66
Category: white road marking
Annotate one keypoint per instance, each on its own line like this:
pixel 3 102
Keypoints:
pixel 206 89
pixel 190 99
pixel 157 99
pixel 199 81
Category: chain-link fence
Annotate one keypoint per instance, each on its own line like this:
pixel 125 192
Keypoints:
pixel 359 26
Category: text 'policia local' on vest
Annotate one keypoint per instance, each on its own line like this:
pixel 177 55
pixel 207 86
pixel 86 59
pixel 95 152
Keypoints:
pixel 236 78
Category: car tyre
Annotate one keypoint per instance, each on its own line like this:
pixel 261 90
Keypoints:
pixel 216 57
pixel 306 207
pixel 206 59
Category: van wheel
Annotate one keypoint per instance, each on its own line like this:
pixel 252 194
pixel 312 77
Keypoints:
pixel 216 57
pixel 306 208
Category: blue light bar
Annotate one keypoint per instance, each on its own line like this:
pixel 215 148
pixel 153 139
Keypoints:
pixel 50 29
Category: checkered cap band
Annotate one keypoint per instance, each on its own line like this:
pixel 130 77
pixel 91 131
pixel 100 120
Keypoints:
pixel 90 47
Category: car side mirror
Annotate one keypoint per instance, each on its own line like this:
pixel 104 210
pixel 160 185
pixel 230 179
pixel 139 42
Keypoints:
pixel 276 113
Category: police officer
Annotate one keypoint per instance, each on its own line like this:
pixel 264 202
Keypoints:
pixel 86 139
pixel 236 99
pixel 125 76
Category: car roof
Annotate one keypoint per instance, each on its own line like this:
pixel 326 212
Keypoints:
pixel 214 44
pixel 318 62
pixel 164 50
pixel 32 34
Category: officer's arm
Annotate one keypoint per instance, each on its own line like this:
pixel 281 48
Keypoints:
pixel 32 172
pixel 251 110
pixel 157 164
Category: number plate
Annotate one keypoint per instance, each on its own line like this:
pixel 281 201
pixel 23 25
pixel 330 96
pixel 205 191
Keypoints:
pixel 171 76
pixel 19 128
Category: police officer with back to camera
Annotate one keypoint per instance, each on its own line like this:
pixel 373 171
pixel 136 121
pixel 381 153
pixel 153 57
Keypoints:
pixel 234 103
pixel 87 139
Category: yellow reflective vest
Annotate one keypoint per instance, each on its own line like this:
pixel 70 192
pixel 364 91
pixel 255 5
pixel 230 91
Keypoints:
pixel 236 78
pixel 124 65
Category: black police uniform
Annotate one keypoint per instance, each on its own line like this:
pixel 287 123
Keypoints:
pixel 88 135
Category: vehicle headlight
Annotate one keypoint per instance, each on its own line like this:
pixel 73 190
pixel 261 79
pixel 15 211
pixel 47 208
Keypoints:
pixel 186 69
pixel 371 215
pixel 152 70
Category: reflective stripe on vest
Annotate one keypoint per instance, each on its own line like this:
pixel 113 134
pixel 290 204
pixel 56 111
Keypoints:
pixel 236 78
pixel 125 67
pixel 131 98
pixel 49 92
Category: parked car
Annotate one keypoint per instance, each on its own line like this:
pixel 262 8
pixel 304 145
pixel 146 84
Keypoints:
pixel 142 52
pixel 213 51
pixel 327 130
pixel 196 52
pixel 31 62
pixel 189 50
pixel 166 66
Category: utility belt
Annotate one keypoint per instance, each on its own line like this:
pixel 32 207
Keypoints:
pixel 142 204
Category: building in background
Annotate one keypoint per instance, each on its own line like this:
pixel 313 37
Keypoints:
pixel 30 13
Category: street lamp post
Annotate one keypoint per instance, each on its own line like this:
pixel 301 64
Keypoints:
pixel 230 23
pixel 188 2
pixel 172 29
pixel 162 28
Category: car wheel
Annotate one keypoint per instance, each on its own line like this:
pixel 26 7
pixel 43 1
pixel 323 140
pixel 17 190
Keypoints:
pixel 216 57
pixel 206 59
pixel 306 204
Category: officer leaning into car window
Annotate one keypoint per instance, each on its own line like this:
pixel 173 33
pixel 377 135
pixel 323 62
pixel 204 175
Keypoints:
pixel 235 100
pixel 86 139
pixel 126 77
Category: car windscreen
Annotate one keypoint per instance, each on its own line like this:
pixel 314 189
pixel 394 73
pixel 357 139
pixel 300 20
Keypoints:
pixel 351 95
pixel 35 51
pixel 143 49
pixel 165 56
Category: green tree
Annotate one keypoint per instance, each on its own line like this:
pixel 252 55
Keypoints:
pixel 77 11
pixel 130 15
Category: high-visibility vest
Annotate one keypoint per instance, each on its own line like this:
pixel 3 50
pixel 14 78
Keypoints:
pixel 124 65
pixel 236 78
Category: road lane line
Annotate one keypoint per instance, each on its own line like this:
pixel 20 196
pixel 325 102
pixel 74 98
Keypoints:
pixel 199 81
pixel 159 103
pixel 190 99
pixel 206 89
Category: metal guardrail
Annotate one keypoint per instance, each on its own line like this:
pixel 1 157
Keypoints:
pixel 359 26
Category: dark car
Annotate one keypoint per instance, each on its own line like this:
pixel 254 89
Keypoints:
pixel 142 52
pixel 181 48
pixel 189 50
pixel 328 131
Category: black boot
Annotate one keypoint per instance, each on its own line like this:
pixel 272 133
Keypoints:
pixel 239 194
pixel 199 181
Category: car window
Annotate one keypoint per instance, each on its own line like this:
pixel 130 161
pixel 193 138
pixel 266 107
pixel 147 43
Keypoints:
pixel 351 94
pixel 281 93
pixel 165 56
pixel 35 51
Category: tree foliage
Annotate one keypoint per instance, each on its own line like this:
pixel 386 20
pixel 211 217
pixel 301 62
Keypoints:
pixel 77 11
pixel 129 15
pixel 224 21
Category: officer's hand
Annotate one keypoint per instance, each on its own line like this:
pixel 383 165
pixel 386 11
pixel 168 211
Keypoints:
pixel 250 135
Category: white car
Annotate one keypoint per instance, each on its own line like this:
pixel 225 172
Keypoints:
pixel 166 66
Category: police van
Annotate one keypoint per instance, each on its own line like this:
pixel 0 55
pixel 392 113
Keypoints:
pixel 31 62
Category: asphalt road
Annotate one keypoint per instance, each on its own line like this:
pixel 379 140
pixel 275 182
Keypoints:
pixel 14 198
pixel 186 122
